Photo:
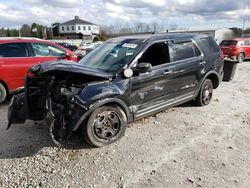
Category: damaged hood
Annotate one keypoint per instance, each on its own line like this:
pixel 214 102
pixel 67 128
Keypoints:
pixel 67 66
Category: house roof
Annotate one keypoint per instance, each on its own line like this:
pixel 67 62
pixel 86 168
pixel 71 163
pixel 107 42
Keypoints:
pixel 77 21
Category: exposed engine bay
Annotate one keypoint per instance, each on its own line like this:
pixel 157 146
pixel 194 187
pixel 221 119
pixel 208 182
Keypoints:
pixel 52 97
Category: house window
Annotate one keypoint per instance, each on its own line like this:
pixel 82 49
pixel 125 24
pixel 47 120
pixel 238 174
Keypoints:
pixel 68 28
pixel 73 28
pixel 62 28
pixel 84 28
pixel 79 27
pixel 89 28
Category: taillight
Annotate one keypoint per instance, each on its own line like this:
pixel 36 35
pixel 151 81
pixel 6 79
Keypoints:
pixel 221 55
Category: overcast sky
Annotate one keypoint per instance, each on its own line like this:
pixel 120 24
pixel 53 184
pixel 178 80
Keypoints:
pixel 183 13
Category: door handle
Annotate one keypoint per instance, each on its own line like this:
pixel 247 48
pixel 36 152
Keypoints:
pixel 202 62
pixel 166 72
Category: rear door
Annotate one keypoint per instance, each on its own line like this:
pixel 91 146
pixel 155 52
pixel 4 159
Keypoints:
pixel 188 63
pixel 15 59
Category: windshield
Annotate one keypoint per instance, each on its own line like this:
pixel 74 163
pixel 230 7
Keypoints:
pixel 111 56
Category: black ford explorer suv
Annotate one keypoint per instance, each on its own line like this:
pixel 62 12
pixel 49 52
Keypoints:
pixel 124 79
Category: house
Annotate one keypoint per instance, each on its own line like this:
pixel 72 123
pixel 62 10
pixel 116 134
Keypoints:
pixel 218 34
pixel 78 29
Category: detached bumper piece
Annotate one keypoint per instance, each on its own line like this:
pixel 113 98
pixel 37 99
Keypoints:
pixel 17 112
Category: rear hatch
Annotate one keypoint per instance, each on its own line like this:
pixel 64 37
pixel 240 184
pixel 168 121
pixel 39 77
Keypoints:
pixel 228 46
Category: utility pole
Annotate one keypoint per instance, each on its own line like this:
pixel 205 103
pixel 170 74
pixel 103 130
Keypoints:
pixel 19 32
pixel 243 26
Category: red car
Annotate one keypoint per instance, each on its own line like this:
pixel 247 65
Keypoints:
pixel 237 49
pixel 18 54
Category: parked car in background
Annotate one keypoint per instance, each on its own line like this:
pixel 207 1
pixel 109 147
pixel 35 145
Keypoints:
pixel 84 49
pixel 237 49
pixel 68 46
pixel 85 43
pixel 125 79
pixel 18 54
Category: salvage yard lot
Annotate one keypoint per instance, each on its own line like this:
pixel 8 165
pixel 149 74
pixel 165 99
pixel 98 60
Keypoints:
pixel 186 146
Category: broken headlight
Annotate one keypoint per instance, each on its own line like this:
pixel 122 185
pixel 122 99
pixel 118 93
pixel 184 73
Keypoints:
pixel 70 90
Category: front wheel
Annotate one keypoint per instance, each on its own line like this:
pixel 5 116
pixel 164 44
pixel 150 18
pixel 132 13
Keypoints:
pixel 3 93
pixel 205 94
pixel 105 125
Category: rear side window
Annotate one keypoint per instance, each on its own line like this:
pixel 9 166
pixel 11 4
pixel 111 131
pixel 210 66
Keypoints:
pixel 185 50
pixel 228 43
pixel 247 42
pixel 14 50
pixel 44 50
pixel 211 44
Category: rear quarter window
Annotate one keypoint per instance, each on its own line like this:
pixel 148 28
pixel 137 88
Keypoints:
pixel 211 44
pixel 14 50
pixel 185 51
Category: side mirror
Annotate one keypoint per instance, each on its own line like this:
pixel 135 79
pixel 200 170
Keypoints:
pixel 144 67
pixel 127 73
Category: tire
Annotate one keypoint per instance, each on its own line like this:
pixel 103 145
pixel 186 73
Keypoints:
pixel 3 93
pixel 104 126
pixel 241 57
pixel 205 94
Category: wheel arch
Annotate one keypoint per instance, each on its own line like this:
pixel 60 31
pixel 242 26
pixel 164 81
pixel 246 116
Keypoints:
pixel 5 85
pixel 108 101
pixel 214 78
pixel 241 52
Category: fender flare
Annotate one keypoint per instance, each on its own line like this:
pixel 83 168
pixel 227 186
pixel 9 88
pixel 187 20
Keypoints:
pixel 102 102
pixel 205 77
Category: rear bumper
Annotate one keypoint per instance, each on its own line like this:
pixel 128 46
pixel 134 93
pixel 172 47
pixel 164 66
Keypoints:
pixel 230 58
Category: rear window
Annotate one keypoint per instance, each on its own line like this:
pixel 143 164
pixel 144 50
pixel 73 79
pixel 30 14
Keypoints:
pixel 14 50
pixel 211 44
pixel 228 43
pixel 185 50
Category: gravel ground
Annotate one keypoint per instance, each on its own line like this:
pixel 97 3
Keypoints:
pixel 185 146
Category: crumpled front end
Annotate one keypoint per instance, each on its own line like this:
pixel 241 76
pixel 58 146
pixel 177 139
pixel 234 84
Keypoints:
pixel 54 98
pixel 54 103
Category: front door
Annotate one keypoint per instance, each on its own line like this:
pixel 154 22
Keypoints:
pixel 153 91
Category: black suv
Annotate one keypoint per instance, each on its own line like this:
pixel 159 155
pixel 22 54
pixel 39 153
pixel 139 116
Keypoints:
pixel 124 79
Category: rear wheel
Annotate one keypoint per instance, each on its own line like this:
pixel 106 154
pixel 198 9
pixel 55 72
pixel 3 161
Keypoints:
pixel 205 94
pixel 241 57
pixel 105 125
pixel 3 93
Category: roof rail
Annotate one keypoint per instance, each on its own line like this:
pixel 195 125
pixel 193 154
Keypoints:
pixel 18 38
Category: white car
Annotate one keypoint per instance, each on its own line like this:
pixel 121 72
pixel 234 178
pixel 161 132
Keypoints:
pixel 87 47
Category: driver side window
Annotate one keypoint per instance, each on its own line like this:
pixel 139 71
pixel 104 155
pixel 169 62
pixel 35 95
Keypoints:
pixel 156 54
